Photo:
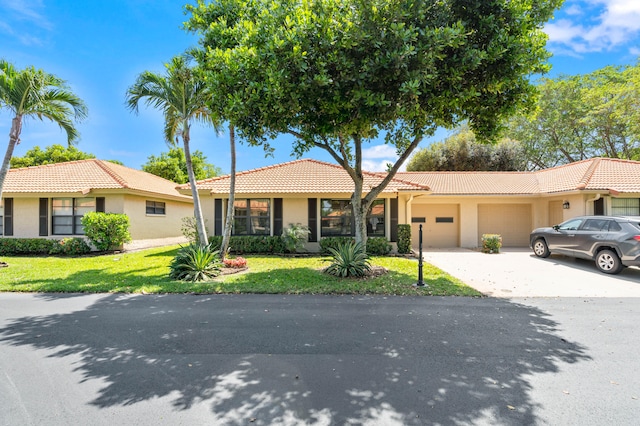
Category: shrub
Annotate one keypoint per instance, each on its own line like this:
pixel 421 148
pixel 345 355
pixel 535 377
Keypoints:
pixel 189 229
pixel 404 239
pixel 349 260
pixel 18 246
pixel 491 243
pixel 195 263
pixel 328 243
pixel 294 237
pixel 238 262
pixel 378 246
pixel 258 244
pixel 107 231
pixel 71 247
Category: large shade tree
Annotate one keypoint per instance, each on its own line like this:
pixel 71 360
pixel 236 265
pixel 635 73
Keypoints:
pixel 172 165
pixel 34 93
pixel 462 152
pixel 583 116
pixel 337 74
pixel 182 97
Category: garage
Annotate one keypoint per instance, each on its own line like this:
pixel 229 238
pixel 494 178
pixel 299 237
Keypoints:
pixel 511 221
pixel 440 225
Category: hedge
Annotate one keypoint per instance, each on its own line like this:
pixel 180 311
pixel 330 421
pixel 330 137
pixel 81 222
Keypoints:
pixel 43 246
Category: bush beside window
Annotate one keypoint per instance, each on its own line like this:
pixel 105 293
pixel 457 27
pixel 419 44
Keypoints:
pixel 107 231
pixel 257 244
pixel 43 246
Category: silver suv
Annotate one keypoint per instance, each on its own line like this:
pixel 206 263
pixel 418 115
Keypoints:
pixel 612 242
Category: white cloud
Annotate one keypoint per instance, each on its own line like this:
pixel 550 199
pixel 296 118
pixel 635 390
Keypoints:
pixel 379 151
pixel 26 11
pixel 604 25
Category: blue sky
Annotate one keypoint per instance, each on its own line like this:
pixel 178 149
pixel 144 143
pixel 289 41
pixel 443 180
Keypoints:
pixel 99 47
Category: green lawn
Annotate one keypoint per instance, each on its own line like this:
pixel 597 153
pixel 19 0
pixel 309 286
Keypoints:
pixel 147 272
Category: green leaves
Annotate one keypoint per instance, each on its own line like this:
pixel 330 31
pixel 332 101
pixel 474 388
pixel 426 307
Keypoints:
pixel 106 231
pixel 195 263
pixel 349 260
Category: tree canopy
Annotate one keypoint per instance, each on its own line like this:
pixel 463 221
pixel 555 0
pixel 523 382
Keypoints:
pixel 172 165
pixel 56 153
pixel 462 152
pixel 337 74
pixel 34 93
pixel 583 116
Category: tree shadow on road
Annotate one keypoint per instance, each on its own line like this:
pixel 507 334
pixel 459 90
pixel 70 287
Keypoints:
pixel 309 359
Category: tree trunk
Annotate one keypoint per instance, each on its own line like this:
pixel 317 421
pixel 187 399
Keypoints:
pixel 232 190
pixel 14 138
pixel 197 210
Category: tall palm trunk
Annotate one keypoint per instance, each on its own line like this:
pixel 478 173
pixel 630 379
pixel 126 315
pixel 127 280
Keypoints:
pixel 232 195
pixel 197 209
pixel 14 138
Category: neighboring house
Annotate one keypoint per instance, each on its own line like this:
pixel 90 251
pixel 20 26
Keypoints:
pixel 50 200
pixel 455 208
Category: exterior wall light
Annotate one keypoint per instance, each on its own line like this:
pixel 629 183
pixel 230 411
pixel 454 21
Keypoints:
pixel 566 205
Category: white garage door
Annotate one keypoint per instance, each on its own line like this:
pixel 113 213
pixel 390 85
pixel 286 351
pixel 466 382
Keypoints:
pixel 512 221
pixel 440 225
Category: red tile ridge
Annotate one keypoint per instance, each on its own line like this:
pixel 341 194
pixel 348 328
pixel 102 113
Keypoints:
pixel 595 162
pixel 102 164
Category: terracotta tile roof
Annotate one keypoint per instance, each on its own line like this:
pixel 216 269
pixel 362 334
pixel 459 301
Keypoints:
pixel 602 174
pixel 475 183
pixel 87 175
pixel 300 176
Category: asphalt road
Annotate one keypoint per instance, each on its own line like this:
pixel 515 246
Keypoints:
pixel 289 360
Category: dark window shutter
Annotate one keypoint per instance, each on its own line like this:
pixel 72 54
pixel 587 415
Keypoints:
pixel 100 204
pixel 313 220
pixel 393 214
pixel 217 212
pixel 8 217
pixel 44 215
pixel 277 216
pixel 598 207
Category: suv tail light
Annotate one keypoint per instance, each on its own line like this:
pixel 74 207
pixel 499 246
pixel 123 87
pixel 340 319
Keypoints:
pixel 636 237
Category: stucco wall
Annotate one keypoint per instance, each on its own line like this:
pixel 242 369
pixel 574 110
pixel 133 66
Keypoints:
pixel 146 226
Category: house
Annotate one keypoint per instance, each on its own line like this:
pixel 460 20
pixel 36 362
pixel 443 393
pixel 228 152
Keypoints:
pixel 454 208
pixel 49 201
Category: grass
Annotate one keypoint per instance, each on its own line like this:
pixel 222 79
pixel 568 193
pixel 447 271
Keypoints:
pixel 147 272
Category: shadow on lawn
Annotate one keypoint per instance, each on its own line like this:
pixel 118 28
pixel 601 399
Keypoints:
pixel 311 359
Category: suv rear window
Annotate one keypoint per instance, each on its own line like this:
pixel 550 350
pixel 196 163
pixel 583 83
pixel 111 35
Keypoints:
pixel 615 227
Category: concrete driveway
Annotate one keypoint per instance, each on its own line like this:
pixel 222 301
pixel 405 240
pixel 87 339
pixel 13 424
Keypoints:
pixel 519 273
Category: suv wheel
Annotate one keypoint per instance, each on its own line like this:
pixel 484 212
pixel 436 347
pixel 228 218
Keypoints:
pixel 608 262
pixel 540 248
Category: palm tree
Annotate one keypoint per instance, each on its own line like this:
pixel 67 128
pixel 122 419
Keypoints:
pixel 182 97
pixel 232 190
pixel 35 93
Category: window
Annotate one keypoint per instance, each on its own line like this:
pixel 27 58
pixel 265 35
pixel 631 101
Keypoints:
pixel 375 219
pixel 570 225
pixel 337 218
pixel 155 207
pixel 66 214
pixel 625 206
pixel 252 217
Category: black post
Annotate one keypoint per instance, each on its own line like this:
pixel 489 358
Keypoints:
pixel 420 280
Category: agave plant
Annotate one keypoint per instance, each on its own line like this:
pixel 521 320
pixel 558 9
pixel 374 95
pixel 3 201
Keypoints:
pixel 195 263
pixel 349 260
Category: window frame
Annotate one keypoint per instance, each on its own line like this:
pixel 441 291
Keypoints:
pixel 158 208
pixel 626 206
pixel 249 218
pixel 76 219
pixel 349 213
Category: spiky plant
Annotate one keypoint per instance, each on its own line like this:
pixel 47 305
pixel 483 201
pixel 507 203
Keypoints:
pixel 195 263
pixel 349 260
